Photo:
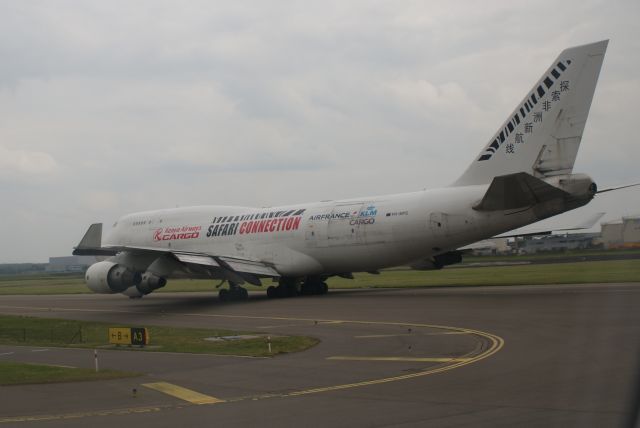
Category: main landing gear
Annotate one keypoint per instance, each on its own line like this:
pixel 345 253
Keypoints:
pixel 234 293
pixel 291 287
pixel 287 287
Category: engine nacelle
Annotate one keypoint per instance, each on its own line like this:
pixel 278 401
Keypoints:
pixel 579 186
pixel 108 278
pixel 149 283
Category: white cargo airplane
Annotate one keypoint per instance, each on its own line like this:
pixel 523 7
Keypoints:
pixel 522 175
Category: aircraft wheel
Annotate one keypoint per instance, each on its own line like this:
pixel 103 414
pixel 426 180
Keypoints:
pixel 236 293
pixel 272 292
pixel 290 291
pixel 314 289
pixel 223 295
pixel 324 288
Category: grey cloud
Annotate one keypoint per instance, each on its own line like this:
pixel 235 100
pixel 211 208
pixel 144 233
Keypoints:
pixel 159 103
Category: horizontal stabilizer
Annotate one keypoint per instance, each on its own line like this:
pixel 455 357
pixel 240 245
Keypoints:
pixel 519 190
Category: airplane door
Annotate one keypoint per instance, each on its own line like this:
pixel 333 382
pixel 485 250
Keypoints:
pixel 339 228
pixel 154 225
pixel 316 234
pixel 449 225
pixel 343 228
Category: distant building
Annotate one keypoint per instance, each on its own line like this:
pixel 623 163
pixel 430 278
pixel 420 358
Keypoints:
pixel 490 247
pixel 70 263
pixel 21 268
pixel 573 241
pixel 612 234
pixel 623 233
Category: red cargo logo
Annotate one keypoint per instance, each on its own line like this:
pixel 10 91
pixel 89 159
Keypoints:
pixel 175 233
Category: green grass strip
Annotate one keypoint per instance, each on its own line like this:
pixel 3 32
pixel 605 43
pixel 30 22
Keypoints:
pixel 560 273
pixel 20 373
pixel 31 331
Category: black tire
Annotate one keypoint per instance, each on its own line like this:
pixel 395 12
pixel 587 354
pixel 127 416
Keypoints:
pixel 223 295
pixel 306 289
pixel 244 294
pixel 324 288
pixel 272 292
pixel 291 291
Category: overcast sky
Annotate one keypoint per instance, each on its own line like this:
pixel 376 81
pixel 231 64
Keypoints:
pixel 110 107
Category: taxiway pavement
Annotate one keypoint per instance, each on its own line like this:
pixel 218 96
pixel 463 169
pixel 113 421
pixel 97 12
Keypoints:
pixel 563 355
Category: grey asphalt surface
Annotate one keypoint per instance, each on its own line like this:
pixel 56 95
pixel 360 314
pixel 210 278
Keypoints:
pixel 564 355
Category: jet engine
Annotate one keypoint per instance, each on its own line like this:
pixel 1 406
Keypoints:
pixel 107 278
pixel 577 185
pixel 149 283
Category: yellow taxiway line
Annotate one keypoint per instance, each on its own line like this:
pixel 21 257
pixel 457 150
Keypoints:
pixel 185 394
pixel 496 343
pixel 401 359
pixel 382 336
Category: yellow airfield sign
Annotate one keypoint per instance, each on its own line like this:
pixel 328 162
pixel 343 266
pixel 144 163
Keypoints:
pixel 128 336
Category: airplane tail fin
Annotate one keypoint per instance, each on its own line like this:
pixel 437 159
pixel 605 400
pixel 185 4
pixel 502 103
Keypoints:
pixel 542 135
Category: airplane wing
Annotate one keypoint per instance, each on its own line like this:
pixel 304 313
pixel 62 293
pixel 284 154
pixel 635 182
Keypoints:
pixel 535 230
pixel 532 229
pixel 238 270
